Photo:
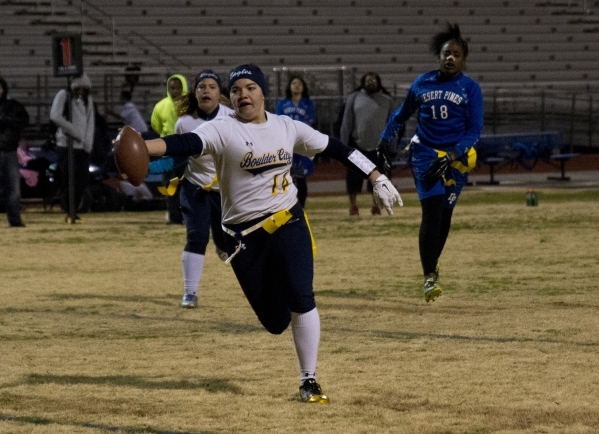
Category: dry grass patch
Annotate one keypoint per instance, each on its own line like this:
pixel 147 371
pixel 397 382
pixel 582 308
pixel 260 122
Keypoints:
pixel 92 339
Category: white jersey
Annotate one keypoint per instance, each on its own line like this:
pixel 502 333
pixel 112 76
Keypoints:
pixel 253 162
pixel 200 170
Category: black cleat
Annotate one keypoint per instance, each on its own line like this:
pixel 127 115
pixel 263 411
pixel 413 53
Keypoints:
pixel 311 392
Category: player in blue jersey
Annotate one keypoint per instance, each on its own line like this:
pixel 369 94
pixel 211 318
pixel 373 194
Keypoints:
pixel 297 103
pixel 299 107
pixel 450 121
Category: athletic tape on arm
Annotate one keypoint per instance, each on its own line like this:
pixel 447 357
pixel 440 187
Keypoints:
pixel 361 162
pixel 350 157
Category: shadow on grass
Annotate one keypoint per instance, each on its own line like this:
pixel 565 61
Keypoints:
pixel 213 385
pixel 407 336
pixel 162 301
pixel 36 420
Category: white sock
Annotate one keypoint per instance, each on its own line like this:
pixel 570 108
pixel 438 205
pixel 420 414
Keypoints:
pixel 193 264
pixel 305 329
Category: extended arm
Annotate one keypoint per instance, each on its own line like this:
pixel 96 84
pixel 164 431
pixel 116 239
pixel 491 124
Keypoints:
pixel 396 124
pixel 358 163
pixel 474 121
pixel 177 145
pixel 384 192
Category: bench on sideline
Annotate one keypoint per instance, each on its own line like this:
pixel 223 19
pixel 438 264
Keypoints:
pixel 525 149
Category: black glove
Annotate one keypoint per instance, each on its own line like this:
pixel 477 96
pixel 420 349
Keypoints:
pixel 385 155
pixel 438 167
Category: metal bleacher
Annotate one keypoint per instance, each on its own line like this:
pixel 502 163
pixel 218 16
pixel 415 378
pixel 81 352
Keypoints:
pixel 525 41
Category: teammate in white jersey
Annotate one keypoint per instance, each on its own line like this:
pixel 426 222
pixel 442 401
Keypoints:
pixel 269 242
pixel 199 192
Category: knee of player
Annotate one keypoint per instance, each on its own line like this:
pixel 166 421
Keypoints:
pixel 275 327
pixel 198 247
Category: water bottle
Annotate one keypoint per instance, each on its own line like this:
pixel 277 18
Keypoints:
pixel 531 197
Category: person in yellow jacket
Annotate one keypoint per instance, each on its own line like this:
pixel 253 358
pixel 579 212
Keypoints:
pixel 164 114
pixel 164 117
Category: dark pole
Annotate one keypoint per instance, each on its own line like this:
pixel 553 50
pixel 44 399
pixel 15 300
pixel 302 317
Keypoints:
pixel 590 120
pixel 572 121
pixel 543 110
pixel 70 160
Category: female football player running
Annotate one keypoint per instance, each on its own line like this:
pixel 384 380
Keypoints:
pixel 200 196
pixel 199 191
pixel 450 121
pixel 268 239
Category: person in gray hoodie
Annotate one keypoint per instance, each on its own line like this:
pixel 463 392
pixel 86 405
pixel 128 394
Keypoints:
pixel 81 130
pixel 367 110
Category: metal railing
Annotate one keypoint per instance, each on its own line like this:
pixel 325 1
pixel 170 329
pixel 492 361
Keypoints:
pixel 572 110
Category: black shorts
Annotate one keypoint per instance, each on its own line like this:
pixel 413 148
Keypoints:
pixel 276 271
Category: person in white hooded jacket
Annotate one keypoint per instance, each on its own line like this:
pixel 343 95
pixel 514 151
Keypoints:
pixel 81 130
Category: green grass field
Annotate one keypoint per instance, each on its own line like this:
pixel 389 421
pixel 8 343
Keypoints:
pixel 92 338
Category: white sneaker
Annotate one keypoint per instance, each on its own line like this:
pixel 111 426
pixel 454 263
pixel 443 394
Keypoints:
pixel 189 301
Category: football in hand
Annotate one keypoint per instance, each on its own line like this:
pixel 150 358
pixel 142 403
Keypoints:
pixel 131 156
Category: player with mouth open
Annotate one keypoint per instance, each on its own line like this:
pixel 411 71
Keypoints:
pixel 450 122
pixel 268 239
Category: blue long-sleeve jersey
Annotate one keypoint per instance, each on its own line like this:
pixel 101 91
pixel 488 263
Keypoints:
pixel 450 112
pixel 303 111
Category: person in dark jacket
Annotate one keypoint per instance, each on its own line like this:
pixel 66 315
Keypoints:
pixel 13 118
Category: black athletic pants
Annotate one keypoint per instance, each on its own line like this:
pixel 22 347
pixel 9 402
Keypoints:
pixel 434 229
pixel 276 270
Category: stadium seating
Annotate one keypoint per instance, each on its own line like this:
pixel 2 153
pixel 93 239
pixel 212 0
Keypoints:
pixel 525 41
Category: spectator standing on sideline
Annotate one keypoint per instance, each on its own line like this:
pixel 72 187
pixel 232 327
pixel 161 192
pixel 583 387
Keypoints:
pixel 131 78
pixel 164 117
pixel 13 119
pixel 81 130
pixel 164 114
pixel 450 122
pixel 102 149
pixel 199 190
pixel 268 240
pixel 299 107
pixel 366 113
pixel 129 113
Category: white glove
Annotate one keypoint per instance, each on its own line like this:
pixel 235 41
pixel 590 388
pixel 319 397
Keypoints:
pixel 385 194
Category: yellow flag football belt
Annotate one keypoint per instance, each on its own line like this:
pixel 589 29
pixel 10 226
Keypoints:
pixel 171 188
pixel 270 224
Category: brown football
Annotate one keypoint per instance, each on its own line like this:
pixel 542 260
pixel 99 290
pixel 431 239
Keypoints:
pixel 131 156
